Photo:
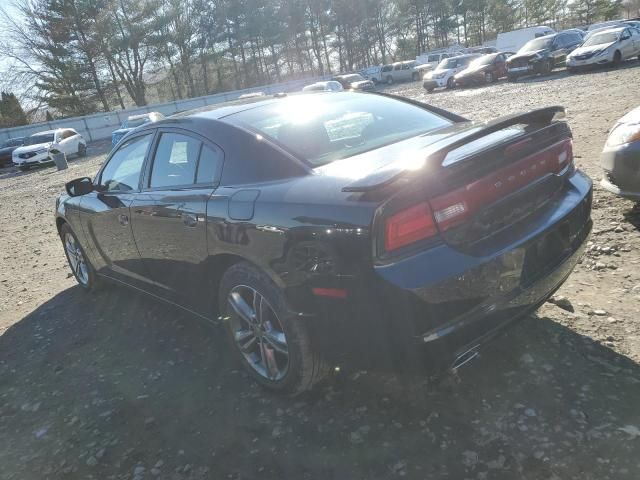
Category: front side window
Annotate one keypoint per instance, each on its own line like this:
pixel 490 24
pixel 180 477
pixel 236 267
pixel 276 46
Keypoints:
pixel 175 161
pixel 323 129
pixel 122 173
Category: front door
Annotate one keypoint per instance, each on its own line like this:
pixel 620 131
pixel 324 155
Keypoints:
pixel 168 217
pixel 105 213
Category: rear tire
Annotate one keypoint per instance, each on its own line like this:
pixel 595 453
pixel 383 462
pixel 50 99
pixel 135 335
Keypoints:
pixel 24 168
pixel 488 77
pixel 617 59
pixel 546 67
pixel 430 90
pixel 287 365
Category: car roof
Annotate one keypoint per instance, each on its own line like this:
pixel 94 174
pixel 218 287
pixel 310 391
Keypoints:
pixel 46 132
pixel 221 110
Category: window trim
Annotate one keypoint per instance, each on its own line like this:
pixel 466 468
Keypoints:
pixel 151 157
pixel 97 181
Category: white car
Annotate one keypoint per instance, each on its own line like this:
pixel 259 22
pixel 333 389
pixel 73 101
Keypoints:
pixel 329 86
pixel 38 147
pixel 607 47
pixel 443 75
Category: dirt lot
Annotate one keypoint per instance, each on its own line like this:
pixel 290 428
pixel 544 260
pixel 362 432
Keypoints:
pixel 114 385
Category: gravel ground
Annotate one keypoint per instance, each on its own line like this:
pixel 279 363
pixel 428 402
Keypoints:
pixel 114 385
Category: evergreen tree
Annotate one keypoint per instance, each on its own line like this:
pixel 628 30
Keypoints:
pixel 11 112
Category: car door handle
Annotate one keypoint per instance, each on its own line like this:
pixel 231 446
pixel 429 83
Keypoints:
pixel 123 220
pixel 189 219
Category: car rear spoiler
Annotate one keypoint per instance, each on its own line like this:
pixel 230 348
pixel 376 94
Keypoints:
pixel 436 152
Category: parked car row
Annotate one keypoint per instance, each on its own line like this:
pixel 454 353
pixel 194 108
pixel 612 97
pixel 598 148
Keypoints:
pixel 37 149
pixel 606 46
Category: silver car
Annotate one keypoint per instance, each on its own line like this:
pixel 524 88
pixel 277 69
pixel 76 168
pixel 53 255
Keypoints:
pixel 620 158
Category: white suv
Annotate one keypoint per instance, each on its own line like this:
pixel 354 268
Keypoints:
pixel 38 147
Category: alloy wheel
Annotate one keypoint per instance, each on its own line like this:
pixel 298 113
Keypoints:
pixel 258 333
pixel 77 261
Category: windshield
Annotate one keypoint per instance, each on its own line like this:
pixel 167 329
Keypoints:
pixel 37 139
pixel 484 60
pixel 536 44
pixel 601 38
pixel 332 127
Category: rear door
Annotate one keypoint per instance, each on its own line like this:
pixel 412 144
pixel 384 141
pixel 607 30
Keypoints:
pixel 168 215
pixel 105 215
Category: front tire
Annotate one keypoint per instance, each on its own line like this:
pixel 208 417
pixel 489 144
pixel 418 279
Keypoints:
pixel 488 77
pixel 617 59
pixel 270 340
pixel 450 83
pixel 24 168
pixel 80 266
pixel 82 150
pixel 414 77
pixel 389 80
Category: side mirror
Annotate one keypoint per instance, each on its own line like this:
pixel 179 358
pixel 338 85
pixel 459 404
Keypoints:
pixel 79 186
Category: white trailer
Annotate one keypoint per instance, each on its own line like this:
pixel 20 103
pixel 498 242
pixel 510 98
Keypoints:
pixel 514 40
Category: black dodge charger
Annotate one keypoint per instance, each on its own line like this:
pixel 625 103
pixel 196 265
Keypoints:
pixel 336 228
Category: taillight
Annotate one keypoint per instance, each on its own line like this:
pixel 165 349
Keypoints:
pixel 409 226
pixel 457 206
pixel 445 211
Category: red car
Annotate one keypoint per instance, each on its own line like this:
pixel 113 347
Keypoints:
pixel 485 69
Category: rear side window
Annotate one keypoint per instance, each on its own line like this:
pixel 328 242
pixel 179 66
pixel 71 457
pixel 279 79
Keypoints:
pixel 210 160
pixel 122 173
pixel 175 161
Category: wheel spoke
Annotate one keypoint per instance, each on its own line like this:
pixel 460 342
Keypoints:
pixel 277 341
pixel 258 301
pixel 246 344
pixel 241 308
pixel 270 364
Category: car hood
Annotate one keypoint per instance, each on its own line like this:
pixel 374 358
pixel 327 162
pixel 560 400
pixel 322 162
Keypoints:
pixel 593 49
pixel 443 70
pixel 471 70
pixel 32 148
pixel 6 150
pixel 631 118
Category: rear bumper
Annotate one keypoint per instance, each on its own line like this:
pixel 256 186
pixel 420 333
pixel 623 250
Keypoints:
pixel 622 170
pixel 422 312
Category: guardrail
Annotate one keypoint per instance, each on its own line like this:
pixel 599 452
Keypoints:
pixel 100 125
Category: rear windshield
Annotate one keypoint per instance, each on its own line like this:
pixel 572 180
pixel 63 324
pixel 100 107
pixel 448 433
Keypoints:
pixel 37 139
pixel 325 128
pixel 537 44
